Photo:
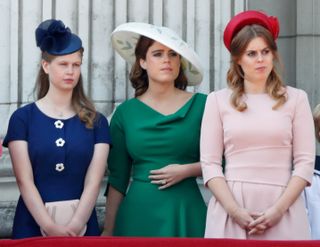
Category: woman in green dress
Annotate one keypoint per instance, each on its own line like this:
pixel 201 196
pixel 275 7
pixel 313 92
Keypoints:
pixel 155 139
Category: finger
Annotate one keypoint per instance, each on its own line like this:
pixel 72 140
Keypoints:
pixel 256 215
pixel 257 221
pixel 72 234
pixel 255 231
pixel 158 181
pixel 261 227
pixel 156 172
pixel 164 186
pixel 156 177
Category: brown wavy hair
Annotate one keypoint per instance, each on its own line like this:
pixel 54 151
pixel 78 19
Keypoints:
pixel 83 107
pixel 235 76
pixel 139 77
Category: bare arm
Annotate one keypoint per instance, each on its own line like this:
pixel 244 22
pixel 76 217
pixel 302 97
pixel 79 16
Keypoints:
pixel 222 193
pixel 91 190
pixel 30 194
pixel 113 202
pixel 174 173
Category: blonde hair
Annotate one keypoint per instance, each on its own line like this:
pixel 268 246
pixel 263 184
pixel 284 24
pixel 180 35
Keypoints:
pixel 82 105
pixel 316 119
pixel 235 76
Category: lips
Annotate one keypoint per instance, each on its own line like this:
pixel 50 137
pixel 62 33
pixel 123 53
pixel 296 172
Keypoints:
pixel 166 69
pixel 262 68
pixel 68 80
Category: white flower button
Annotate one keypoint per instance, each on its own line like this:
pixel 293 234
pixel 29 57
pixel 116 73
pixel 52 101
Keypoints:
pixel 58 124
pixel 59 167
pixel 60 142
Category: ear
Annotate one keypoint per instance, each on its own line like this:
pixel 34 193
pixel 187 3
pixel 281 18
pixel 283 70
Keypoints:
pixel 143 63
pixel 45 65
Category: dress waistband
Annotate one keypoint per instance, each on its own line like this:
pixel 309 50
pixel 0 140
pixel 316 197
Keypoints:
pixel 267 165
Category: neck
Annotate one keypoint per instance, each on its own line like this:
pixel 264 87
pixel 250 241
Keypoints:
pixel 59 99
pixel 160 91
pixel 255 87
pixel 57 104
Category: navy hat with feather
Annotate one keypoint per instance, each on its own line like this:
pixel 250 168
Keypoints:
pixel 53 37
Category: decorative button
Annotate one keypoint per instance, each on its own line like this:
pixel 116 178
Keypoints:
pixel 59 167
pixel 58 124
pixel 60 142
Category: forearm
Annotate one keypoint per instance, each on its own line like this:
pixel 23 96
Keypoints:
pixel 92 185
pixel 24 176
pixel 192 170
pixel 218 186
pixel 86 205
pixel 35 205
pixel 114 199
pixel 294 189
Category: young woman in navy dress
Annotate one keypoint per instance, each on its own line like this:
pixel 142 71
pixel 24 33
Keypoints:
pixel 58 144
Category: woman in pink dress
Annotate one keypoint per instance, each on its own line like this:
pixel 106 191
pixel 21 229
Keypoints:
pixel 265 131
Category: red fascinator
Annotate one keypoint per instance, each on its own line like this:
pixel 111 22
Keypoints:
pixel 248 18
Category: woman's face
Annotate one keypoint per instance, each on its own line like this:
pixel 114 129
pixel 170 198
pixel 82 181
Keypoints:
pixel 162 64
pixel 64 71
pixel 257 61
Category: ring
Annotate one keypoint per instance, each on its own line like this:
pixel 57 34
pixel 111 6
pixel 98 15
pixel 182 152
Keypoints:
pixel 163 181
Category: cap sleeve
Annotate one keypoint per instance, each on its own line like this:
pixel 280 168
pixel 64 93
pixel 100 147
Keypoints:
pixel 17 128
pixel 101 130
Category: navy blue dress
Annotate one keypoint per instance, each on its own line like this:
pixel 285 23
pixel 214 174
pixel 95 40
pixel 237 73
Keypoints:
pixel 60 152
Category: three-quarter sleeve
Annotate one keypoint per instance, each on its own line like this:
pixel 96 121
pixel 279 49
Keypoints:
pixel 101 130
pixel 211 142
pixel 17 128
pixel 303 139
pixel 119 161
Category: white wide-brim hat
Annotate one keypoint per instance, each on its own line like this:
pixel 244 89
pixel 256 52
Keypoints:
pixel 125 37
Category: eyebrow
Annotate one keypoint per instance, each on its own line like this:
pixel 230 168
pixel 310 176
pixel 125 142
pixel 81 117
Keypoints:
pixel 267 47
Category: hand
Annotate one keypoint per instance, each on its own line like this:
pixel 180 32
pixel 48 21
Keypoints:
pixel 168 175
pixel 106 233
pixel 266 220
pixel 58 230
pixel 242 217
pixel 75 227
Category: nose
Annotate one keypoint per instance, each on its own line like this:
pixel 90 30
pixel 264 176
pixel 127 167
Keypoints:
pixel 260 57
pixel 166 58
pixel 69 69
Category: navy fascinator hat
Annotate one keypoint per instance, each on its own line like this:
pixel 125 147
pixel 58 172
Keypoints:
pixel 53 37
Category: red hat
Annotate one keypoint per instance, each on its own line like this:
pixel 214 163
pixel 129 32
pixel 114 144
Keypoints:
pixel 247 18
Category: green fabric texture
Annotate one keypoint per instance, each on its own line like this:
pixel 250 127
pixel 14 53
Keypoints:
pixel 143 140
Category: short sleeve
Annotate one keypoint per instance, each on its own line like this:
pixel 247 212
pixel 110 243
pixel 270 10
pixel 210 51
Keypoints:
pixel 101 130
pixel 17 128
pixel 119 160
pixel 303 139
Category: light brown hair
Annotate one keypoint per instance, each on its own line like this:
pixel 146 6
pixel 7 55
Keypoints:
pixel 139 77
pixel 316 119
pixel 235 76
pixel 82 105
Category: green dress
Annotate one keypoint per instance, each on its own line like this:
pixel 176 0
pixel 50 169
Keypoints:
pixel 143 140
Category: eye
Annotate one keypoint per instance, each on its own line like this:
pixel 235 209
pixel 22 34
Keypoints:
pixel 157 54
pixel 265 51
pixel 251 54
pixel 173 54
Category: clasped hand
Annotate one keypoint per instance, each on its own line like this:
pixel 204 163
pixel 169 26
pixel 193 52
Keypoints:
pixel 257 223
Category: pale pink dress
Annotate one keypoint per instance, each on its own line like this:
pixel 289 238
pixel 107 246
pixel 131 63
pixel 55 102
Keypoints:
pixel 263 148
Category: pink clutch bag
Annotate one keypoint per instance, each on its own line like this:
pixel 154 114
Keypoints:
pixel 62 211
